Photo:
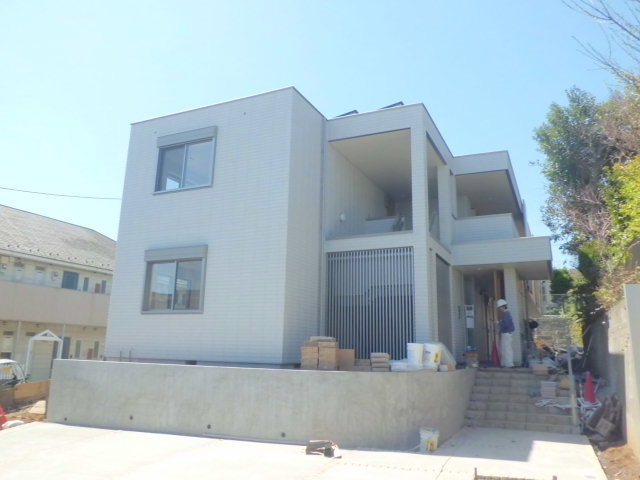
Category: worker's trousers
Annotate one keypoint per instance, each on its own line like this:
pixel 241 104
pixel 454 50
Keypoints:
pixel 506 350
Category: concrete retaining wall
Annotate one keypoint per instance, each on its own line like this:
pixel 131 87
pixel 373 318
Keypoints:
pixel 354 409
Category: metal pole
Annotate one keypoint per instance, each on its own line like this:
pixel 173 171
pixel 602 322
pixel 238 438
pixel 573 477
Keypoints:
pixel 572 391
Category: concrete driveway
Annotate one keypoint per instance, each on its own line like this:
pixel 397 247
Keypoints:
pixel 56 452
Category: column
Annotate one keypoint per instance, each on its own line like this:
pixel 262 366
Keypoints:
pixel 512 296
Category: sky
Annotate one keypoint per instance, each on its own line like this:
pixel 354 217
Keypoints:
pixel 75 74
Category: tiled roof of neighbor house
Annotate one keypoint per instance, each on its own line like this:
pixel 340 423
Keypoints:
pixel 32 234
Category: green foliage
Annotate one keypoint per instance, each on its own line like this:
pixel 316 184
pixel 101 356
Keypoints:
pixel 623 200
pixel 561 282
pixel 576 153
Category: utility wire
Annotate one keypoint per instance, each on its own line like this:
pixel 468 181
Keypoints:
pixel 59 194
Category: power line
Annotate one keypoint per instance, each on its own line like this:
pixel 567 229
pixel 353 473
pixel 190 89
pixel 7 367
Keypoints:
pixel 59 194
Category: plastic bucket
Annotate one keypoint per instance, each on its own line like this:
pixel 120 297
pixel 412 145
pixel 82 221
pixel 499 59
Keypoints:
pixel 415 353
pixel 428 439
pixel 434 352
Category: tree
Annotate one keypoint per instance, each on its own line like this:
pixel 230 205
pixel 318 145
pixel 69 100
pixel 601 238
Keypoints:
pixel 561 282
pixel 576 153
pixel 623 33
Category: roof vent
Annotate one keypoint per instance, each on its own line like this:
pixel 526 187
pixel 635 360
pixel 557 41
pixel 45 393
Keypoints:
pixel 352 112
pixel 397 104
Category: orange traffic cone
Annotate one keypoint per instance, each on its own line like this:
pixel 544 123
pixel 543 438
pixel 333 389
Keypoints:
pixel 3 417
pixel 589 389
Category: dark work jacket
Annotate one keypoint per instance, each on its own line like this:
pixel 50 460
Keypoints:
pixel 506 324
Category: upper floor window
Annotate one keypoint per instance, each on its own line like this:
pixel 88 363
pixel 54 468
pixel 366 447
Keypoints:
pixel 186 159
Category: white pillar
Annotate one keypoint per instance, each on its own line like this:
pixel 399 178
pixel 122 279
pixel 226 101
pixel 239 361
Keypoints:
pixel 445 206
pixel 420 211
pixel 512 296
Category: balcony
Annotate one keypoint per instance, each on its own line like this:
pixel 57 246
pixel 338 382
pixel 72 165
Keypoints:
pixel 39 304
pixel 485 227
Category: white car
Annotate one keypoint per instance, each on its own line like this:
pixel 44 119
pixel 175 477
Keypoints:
pixel 11 373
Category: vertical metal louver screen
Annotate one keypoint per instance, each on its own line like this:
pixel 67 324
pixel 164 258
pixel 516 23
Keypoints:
pixel 370 300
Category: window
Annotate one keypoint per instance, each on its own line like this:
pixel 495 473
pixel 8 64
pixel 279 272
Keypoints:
pixel 186 160
pixel 174 280
pixel 85 284
pixel 70 280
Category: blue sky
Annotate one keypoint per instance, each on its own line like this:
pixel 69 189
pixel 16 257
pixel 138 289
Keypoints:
pixel 75 74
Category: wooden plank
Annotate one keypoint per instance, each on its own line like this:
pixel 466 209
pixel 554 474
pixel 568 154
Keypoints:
pixel 31 391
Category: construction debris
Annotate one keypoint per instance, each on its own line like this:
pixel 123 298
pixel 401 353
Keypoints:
pixel 323 447
pixel 606 419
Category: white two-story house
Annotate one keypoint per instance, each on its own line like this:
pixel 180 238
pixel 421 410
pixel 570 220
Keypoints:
pixel 55 278
pixel 249 225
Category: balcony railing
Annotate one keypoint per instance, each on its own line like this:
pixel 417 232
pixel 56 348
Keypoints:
pixel 485 227
pixel 40 304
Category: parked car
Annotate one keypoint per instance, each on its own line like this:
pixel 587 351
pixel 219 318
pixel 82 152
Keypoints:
pixel 11 373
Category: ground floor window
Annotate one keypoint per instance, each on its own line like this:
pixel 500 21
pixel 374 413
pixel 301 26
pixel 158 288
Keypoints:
pixel 174 284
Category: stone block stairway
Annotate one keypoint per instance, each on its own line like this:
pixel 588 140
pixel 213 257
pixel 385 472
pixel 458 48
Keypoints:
pixel 506 398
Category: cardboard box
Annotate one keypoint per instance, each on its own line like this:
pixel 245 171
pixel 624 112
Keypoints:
pixel 309 352
pixel 322 339
pixel 346 358
pixel 380 355
pixel 540 369
pixel 363 362
pixel 309 365
pixel 328 353
pixel 327 365
pixel 328 344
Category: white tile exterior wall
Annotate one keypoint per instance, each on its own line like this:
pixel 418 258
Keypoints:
pixel 242 217
pixel 352 194
pixel 268 219
pixel 304 241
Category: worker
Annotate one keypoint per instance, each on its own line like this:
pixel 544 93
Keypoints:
pixel 506 331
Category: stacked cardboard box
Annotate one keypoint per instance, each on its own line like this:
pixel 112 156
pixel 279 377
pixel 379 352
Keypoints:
pixel 380 362
pixel 361 365
pixel 309 357
pixel 328 355
pixel 310 352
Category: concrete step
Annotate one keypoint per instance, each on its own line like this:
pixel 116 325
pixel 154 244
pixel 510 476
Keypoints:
pixel 518 408
pixel 509 390
pixel 501 398
pixel 528 418
pixel 508 382
pixel 539 427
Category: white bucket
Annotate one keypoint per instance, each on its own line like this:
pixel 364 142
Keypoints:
pixel 428 439
pixel 415 353
pixel 434 351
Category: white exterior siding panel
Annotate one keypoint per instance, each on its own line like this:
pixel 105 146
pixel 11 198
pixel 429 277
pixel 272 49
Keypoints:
pixel 242 218
pixel 351 194
pixel 302 309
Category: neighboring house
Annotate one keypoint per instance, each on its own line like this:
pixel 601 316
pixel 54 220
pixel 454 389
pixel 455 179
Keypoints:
pixel 249 225
pixel 54 276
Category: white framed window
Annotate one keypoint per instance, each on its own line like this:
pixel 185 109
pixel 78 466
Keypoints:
pixel 185 160
pixel 174 280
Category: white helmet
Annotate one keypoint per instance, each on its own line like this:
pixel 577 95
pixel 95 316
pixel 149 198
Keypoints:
pixel 501 303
